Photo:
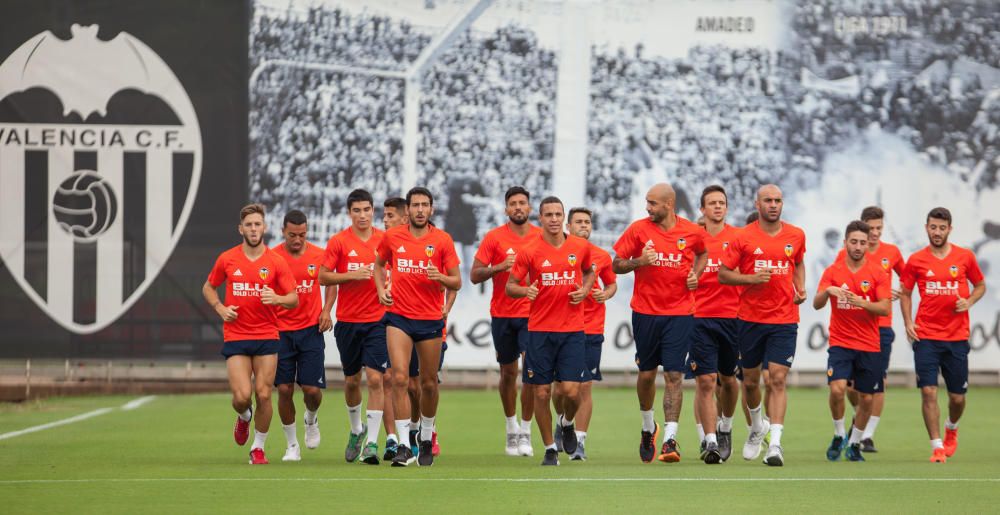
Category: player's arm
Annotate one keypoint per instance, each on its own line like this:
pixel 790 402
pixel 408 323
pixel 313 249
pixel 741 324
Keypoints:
pixel 978 290
pixel 452 281
pixel 226 313
pixel 735 278
pixel 697 269
pixel 577 296
pixel 328 277
pixel 604 295
pixel 383 294
pixel 325 317
pixel 449 302
pixel 906 309
pixel 481 272
pixel 623 266
pixel 880 308
pixel 799 283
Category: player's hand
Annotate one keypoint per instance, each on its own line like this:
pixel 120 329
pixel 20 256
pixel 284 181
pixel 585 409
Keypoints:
pixel 798 297
pixel 325 322
pixel 362 274
pixel 962 305
pixel 227 313
pixel 854 300
pixel 692 280
pixel 267 296
pixel 444 312
pixel 385 298
pixel 433 273
pixel 762 276
pixel 836 291
pixel 507 264
pixel 532 293
pixel 911 332
pixel 895 295
pixel 576 296
pixel 598 295
pixel 648 256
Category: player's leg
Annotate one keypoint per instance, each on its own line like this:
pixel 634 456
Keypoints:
pixel 400 346
pixel 239 371
pixel 284 380
pixel 704 366
pixel 524 448
pixel 729 391
pixel 594 344
pixel 886 338
pixel 839 370
pixel 557 406
pixel 867 379
pixel 375 357
pixel 927 363
pixel 955 370
pixel 264 366
pixel 751 338
pixel 311 377
pixel 350 346
pixel 675 345
pixel 571 368
pixel 428 352
pixel 504 343
pixel 389 417
pixel 780 352
pixel 539 371
pixel 646 329
pixel 706 407
pixel 413 392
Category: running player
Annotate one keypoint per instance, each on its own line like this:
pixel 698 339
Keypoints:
pixel 581 224
pixel 766 257
pixel 413 386
pixel 561 276
pixel 714 354
pixel 418 252
pixel 667 253
pixel 509 322
pixel 889 259
pixel 940 335
pixel 255 278
pixel 359 332
pixel 393 214
pixel 301 356
pixel 863 294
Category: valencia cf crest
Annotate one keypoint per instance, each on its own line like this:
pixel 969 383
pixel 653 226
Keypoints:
pixel 572 259
pixel 97 190
pixel 311 270
pixel 885 263
pixel 725 245
pixel 681 243
pixel 264 273
pixel 953 270
pixel 865 286
pixel 789 249
pixel 429 250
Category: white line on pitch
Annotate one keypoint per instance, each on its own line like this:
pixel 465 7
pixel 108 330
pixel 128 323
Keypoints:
pixel 131 405
pixel 504 480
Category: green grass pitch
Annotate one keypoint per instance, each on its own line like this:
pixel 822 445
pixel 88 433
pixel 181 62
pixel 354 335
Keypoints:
pixel 176 455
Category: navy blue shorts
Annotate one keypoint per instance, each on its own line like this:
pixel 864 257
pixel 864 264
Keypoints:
pixel 774 343
pixel 662 340
pixel 250 348
pixel 301 357
pixel 361 344
pixel 555 356
pixel 415 362
pixel 886 336
pixel 593 355
pixel 863 369
pixel 417 330
pixel 510 338
pixel 951 358
pixel 713 349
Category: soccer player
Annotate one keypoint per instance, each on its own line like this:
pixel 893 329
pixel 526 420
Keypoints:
pixel 766 257
pixel 256 280
pixel 580 224
pixel 361 341
pixel 413 386
pixel 394 212
pixel 863 294
pixel 941 272
pixel 889 259
pixel 561 276
pixel 418 253
pixel 714 354
pixel 667 253
pixel 494 260
pixel 301 355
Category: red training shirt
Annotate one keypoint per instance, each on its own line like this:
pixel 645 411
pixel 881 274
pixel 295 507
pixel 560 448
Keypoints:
pixel 305 270
pixel 593 311
pixel 713 299
pixel 244 281
pixel 357 301
pixel 852 327
pixel 941 282
pixel 493 250
pixel 559 271
pixel 753 250
pixel 414 296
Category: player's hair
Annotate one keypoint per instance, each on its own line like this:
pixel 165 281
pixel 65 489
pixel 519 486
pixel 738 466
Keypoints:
pixel 752 217
pixel 419 190
pixel 712 189
pixel 294 217
pixel 940 213
pixel 872 213
pixel 856 225
pixel 250 209
pixel 549 200
pixel 359 195
pixel 575 210
pixel 516 190
pixel 398 203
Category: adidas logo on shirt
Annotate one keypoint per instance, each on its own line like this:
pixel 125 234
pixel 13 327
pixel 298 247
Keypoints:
pixel 401 249
pixel 352 253
pixel 546 263
pixel 758 251
pixel 237 273
pixel 510 251
pixel 844 287
pixel 930 273
pixel 649 243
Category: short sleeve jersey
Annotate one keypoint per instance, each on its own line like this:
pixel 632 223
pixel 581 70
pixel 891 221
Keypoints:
pixel 889 259
pixel 713 299
pixel 305 270
pixel 414 296
pixel 245 280
pixel 493 250
pixel 853 327
pixel 593 311
pixel 559 271
pixel 754 250
pixel 357 301
pixel 661 287
pixel 941 282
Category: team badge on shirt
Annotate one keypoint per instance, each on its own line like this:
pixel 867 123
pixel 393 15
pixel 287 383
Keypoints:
pixel 263 273
pixel 953 270
pixel 789 249
pixel 429 250
pixel 725 245
pixel 885 263
pixel 681 243
pixel 865 285
pixel 311 270
pixel 572 259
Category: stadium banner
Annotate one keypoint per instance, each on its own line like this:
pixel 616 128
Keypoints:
pixel 122 170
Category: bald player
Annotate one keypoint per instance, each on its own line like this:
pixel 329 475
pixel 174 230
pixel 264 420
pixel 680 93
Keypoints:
pixel 667 254
pixel 766 258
